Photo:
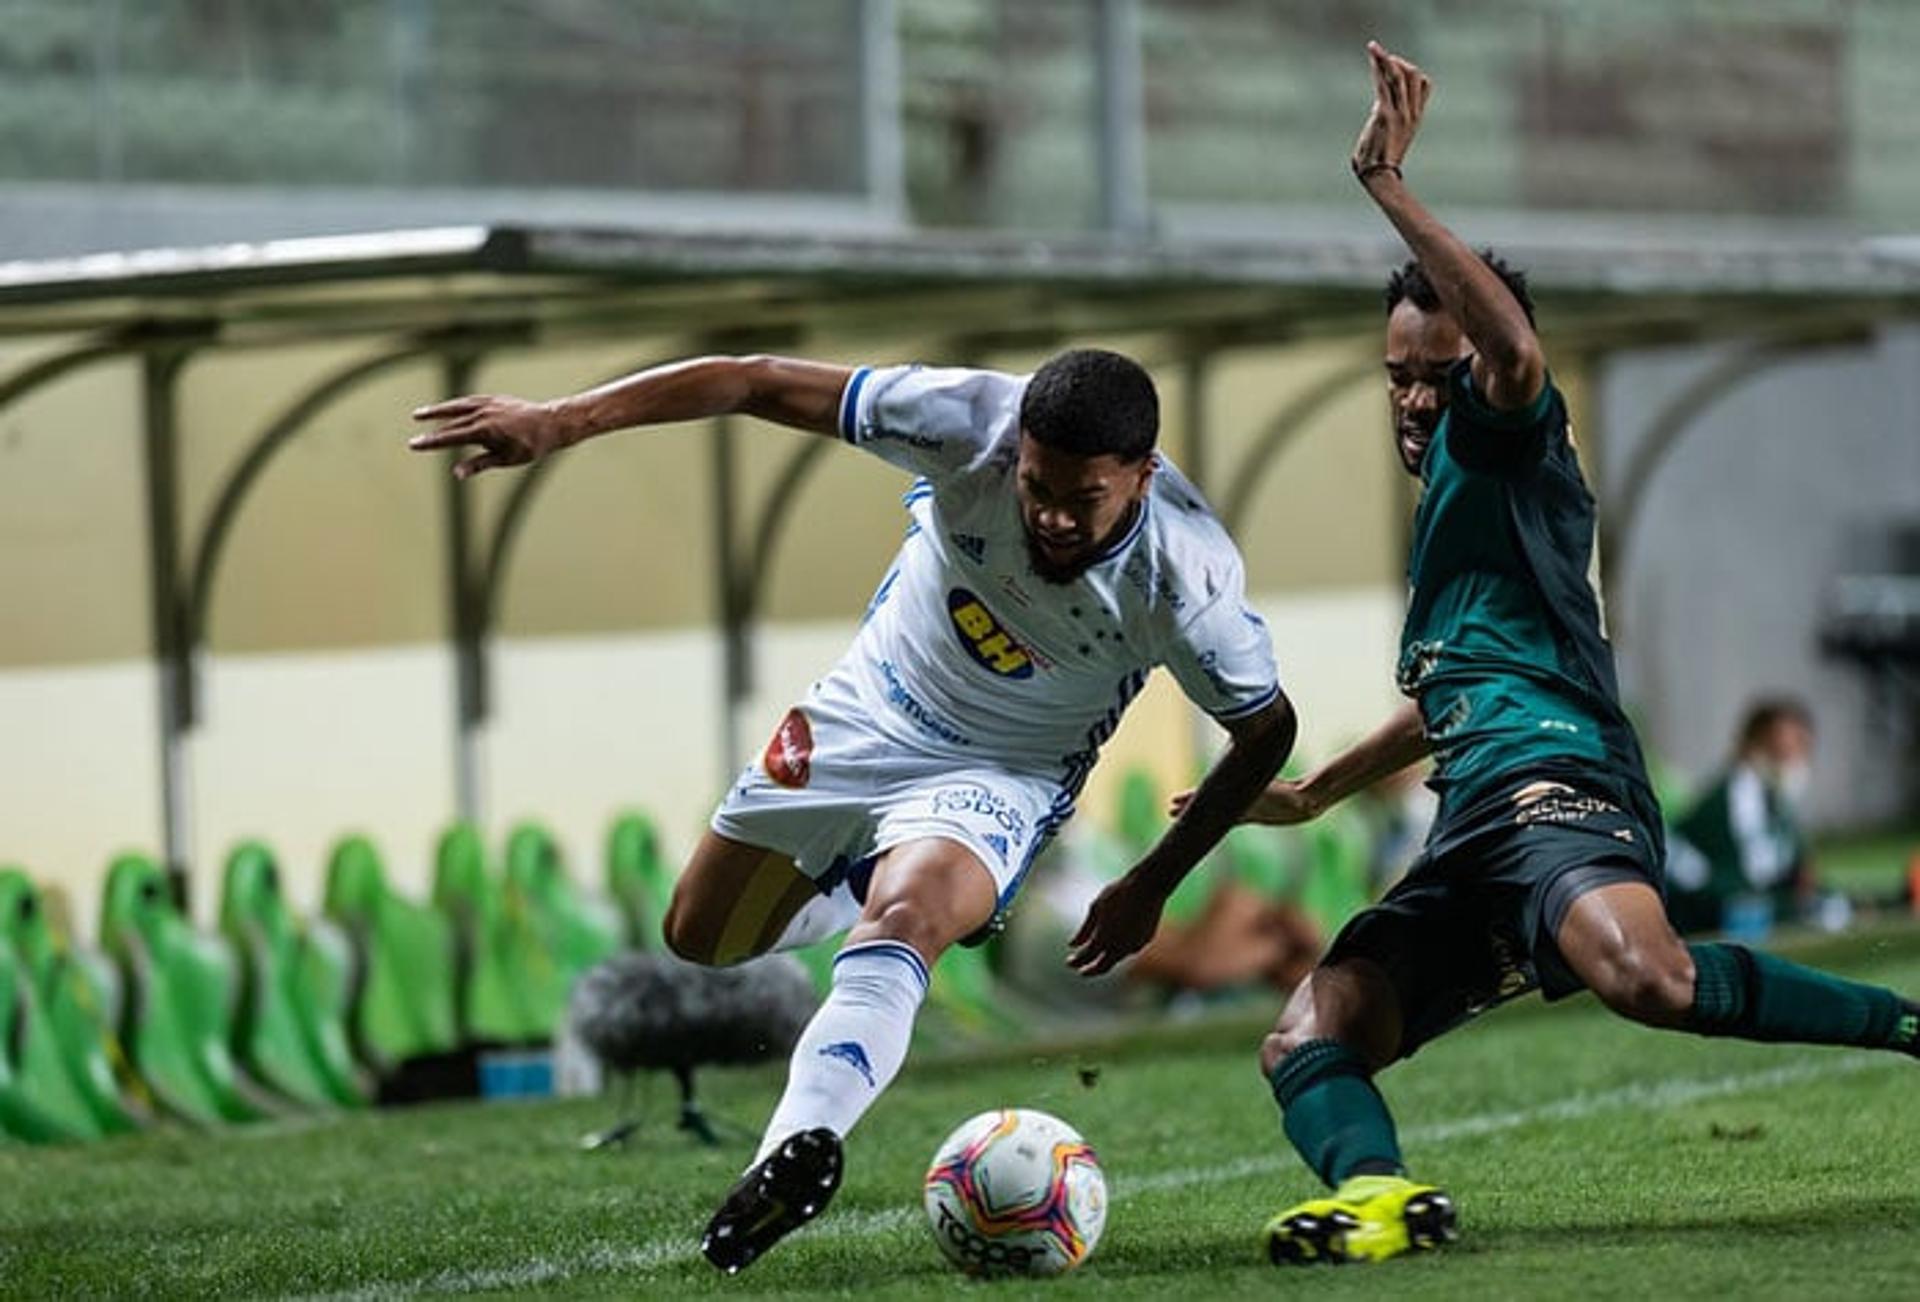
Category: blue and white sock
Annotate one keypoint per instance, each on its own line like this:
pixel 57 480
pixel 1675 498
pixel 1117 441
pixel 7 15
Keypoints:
pixel 853 1047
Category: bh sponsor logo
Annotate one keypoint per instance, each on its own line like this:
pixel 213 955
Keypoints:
pixel 789 757
pixel 985 640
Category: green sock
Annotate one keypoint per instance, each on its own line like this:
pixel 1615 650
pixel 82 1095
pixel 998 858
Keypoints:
pixel 1333 1114
pixel 1756 996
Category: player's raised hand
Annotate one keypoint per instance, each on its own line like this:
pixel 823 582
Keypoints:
pixel 508 431
pixel 1282 804
pixel 1400 92
pixel 1119 923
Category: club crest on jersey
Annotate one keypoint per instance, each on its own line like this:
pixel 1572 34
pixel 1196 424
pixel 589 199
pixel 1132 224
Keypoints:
pixel 985 640
pixel 789 757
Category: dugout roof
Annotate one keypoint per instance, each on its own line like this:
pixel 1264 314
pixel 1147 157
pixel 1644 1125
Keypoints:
pixel 572 282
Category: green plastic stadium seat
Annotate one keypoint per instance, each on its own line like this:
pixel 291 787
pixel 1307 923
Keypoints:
pixel 964 986
pixel 292 1000
pixel 402 999
pixel 1141 818
pixel 1339 848
pixel 578 929
pixel 69 1004
pixel 638 878
pixel 1257 856
pixel 181 989
pixel 507 980
pixel 38 1098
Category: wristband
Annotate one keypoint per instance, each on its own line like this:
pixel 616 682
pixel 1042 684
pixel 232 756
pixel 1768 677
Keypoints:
pixel 1363 171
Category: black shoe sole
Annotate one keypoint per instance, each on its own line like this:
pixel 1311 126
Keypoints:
pixel 1431 1221
pixel 790 1187
pixel 1311 1240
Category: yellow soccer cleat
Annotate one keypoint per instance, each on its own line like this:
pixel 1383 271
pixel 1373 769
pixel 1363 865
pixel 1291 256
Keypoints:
pixel 1368 1218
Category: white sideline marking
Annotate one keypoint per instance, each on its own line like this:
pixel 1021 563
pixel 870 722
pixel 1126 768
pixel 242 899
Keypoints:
pixel 1655 1095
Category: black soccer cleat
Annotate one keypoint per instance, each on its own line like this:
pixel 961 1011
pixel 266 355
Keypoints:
pixel 791 1186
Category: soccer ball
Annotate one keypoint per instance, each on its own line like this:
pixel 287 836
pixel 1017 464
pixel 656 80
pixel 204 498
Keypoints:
pixel 1016 1192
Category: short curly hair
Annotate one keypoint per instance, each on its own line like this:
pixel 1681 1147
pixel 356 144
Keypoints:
pixel 1091 403
pixel 1409 283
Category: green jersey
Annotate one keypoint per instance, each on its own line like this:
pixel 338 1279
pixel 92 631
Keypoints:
pixel 1503 645
pixel 1740 838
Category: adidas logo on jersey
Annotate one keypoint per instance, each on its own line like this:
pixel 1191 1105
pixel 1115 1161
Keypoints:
pixel 984 639
pixel 971 545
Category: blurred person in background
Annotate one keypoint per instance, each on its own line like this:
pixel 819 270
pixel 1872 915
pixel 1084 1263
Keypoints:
pixel 1738 860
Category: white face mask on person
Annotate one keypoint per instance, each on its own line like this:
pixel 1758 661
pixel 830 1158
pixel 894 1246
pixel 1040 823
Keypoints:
pixel 1792 780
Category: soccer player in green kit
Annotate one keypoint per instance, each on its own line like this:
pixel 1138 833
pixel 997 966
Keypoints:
pixel 1543 869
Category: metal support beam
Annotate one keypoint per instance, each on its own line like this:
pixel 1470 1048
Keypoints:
pixel 882 127
pixel 245 475
pixel 735 639
pixel 1285 426
pixel 1675 420
pixel 469 657
pixel 512 519
pixel 769 522
pixel 160 374
pixel 1123 156
pixel 1195 368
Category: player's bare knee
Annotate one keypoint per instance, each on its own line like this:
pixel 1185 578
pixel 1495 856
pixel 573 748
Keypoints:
pixel 1299 1023
pixel 909 922
pixel 1278 1044
pixel 1652 988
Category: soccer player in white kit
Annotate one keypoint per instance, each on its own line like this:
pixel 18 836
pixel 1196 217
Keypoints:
pixel 1052 559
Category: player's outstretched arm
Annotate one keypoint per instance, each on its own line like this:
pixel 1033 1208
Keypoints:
pixel 1127 913
pixel 510 431
pixel 1508 368
pixel 1400 741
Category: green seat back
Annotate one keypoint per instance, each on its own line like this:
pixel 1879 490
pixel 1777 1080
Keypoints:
pixel 638 879
pixel 76 993
pixel 20 1116
pixel 964 986
pixel 403 995
pixel 817 959
pixel 69 1008
pixel 1140 819
pixel 181 985
pixel 1339 856
pixel 323 982
pixel 1259 860
pixel 38 1098
pixel 575 928
pixel 281 1036
pixel 509 991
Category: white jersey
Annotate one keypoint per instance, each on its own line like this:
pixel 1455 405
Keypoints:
pixel 966 653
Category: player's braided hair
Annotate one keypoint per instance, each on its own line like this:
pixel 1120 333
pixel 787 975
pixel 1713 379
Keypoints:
pixel 1409 282
pixel 1091 402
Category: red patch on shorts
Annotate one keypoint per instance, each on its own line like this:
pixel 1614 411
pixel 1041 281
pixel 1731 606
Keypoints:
pixel 789 757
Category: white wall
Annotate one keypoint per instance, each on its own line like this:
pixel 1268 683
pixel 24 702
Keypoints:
pixel 298 749
pixel 1727 571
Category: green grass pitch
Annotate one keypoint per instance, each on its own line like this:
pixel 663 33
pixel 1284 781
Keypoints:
pixel 1589 1159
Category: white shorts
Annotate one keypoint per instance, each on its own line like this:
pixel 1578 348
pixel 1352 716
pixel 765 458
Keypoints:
pixel 834 794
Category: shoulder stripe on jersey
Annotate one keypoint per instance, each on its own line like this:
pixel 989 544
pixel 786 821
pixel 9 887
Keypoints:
pixel 1261 702
pixel 850 403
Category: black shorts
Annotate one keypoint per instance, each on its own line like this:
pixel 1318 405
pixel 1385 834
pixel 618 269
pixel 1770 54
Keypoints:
pixel 1472 923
